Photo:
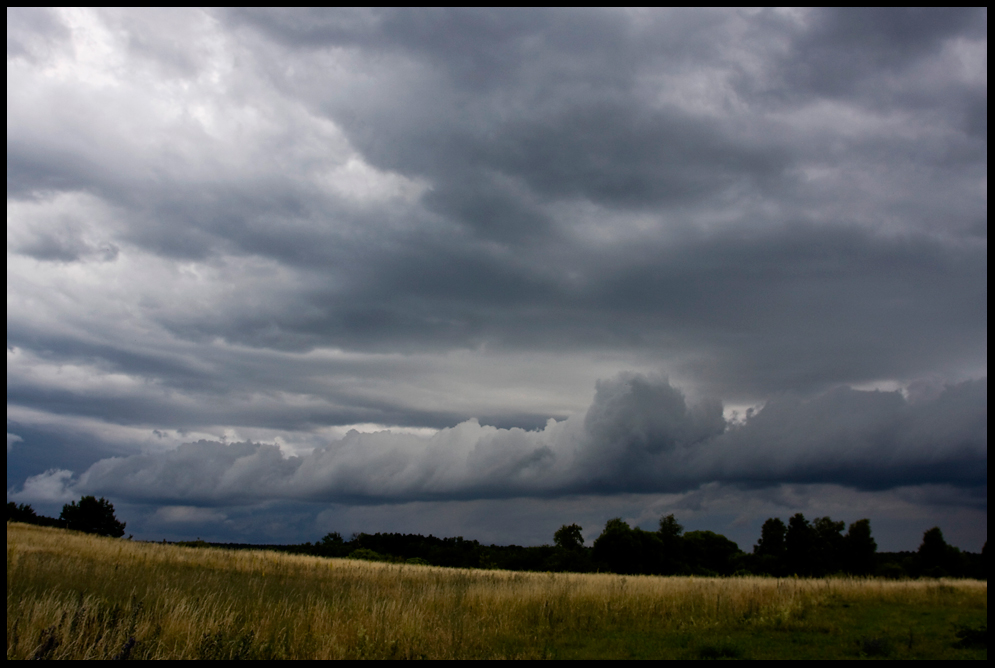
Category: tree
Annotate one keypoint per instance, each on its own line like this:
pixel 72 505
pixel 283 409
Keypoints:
pixel 626 551
pixel 799 542
pixel 771 538
pixel 92 516
pixel 859 548
pixel 984 559
pixel 332 545
pixel 613 549
pixel 21 513
pixel 569 537
pixel 673 559
pixel 770 549
pixel 569 554
pixel 936 558
pixel 827 547
pixel 709 553
pixel 669 528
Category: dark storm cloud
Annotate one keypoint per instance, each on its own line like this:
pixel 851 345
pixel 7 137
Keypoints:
pixel 870 440
pixel 867 440
pixel 497 152
pixel 548 101
pixel 846 49
pixel 870 306
pixel 810 307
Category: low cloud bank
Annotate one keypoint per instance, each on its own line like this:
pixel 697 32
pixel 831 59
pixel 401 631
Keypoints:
pixel 640 434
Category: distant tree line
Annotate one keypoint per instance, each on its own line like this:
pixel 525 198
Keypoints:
pixel 801 547
pixel 90 515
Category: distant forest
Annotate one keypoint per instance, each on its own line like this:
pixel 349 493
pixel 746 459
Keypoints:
pixel 801 547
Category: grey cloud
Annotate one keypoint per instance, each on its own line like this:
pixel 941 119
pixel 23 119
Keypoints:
pixel 32 32
pixel 215 403
pixel 66 243
pixel 871 305
pixel 618 154
pixel 636 413
pixel 976 115
pixel 311 27
pixel 847 46
pixel 34 171
pixel 589 146
pixel 639 435
pixel 871 440
pixel 161 35
pixel 550 100
pixel 545 54
pixel 12 439
pixel 478 48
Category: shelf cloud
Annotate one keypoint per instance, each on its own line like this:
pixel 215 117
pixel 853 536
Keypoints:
pixel 639 435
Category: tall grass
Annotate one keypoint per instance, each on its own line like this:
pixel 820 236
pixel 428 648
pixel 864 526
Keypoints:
pixel 73 596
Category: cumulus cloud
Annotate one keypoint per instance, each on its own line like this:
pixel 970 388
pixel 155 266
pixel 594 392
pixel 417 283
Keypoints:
pixel 639 435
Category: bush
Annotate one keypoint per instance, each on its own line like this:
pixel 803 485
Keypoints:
pixel 366 555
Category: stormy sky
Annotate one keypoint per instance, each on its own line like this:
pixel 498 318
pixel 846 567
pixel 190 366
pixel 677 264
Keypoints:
pixel 275 273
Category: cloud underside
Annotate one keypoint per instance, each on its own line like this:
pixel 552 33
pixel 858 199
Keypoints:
pixel 639 435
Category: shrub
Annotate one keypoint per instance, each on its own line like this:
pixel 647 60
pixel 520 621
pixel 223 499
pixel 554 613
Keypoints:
pixel 366 555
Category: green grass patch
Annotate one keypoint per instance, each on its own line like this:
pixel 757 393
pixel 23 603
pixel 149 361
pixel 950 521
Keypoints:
pixel 952 627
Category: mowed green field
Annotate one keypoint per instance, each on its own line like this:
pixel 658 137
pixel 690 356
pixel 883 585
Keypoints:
pixel 73 596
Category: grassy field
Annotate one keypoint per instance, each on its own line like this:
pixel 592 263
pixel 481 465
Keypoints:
pixel 73 596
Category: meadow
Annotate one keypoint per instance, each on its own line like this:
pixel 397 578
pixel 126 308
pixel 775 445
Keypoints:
pixel 78 596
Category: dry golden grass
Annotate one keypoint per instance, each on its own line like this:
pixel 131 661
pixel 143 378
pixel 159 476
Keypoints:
pixel 73 596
